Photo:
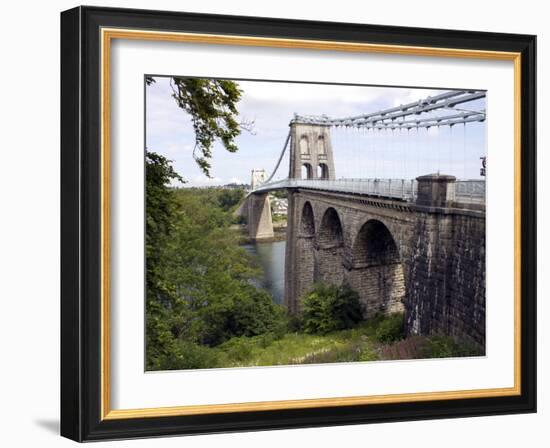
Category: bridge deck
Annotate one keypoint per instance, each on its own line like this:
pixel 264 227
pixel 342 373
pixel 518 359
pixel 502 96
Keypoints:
pixel 467 191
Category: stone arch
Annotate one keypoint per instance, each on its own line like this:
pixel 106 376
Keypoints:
pixel 305 266
pixel 329 267
pixel 373 244
pixel 307 171
pixel 331 229
pixel 376 270
pixel 307 221
pixel 322 171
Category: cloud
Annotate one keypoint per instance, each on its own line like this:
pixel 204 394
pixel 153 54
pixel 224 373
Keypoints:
pixel 202 180
pixel 272 105
pixel 307 93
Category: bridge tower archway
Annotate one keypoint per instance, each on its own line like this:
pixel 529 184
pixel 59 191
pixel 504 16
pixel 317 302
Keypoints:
pixel 323 171
pixel 376 270
pixel 329 244
pixel 307 171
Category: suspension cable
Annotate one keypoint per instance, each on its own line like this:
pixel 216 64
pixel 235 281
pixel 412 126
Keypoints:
pixel 280 159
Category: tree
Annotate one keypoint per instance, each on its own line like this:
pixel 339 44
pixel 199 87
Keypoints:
pixel 200 289
pixel 229 199
pixel 211 104
pixel 161 210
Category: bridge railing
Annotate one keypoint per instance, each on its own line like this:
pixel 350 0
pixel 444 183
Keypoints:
pixel 392 188
pixel 470 191
pixel 467 191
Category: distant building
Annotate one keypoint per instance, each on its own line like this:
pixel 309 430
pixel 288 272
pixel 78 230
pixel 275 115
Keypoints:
pixel 279 206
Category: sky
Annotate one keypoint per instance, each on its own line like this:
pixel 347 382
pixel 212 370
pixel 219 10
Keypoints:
pixel 357 153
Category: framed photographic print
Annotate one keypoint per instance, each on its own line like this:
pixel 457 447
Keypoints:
pixel 273 223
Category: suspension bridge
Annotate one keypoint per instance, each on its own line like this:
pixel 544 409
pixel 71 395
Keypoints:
pixel 404 244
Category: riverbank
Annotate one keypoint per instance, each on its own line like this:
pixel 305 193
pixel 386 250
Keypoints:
pixel 279 232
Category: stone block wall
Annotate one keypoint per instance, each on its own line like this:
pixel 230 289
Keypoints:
pixel 328 267
pixel 304 269
pixel 381 288
pixel 427 304
pixel 446 288
pixel 466 289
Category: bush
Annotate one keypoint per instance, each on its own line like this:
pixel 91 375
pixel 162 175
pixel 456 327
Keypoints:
pixel 330 308
pixel 187 355
pixel 251 313
pixel 440 346
pixel 425 347
pixel 390 328
pixel 294 323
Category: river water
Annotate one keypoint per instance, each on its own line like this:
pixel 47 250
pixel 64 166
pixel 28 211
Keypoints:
pixel 271 257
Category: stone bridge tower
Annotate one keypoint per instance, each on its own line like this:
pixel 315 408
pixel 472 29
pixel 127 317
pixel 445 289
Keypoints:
pixel 257 178
pixel 311 157
pixel 258 208
pixel 311 154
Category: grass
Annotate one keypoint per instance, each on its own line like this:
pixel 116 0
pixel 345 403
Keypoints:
pixel 278 218
pixel 299 348
pixel 379 338
pixel 361 343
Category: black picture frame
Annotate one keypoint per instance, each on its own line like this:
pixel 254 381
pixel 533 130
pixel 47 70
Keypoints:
pixel 81 379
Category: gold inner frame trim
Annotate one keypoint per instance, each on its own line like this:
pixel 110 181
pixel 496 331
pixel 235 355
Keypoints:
pixel 107 35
